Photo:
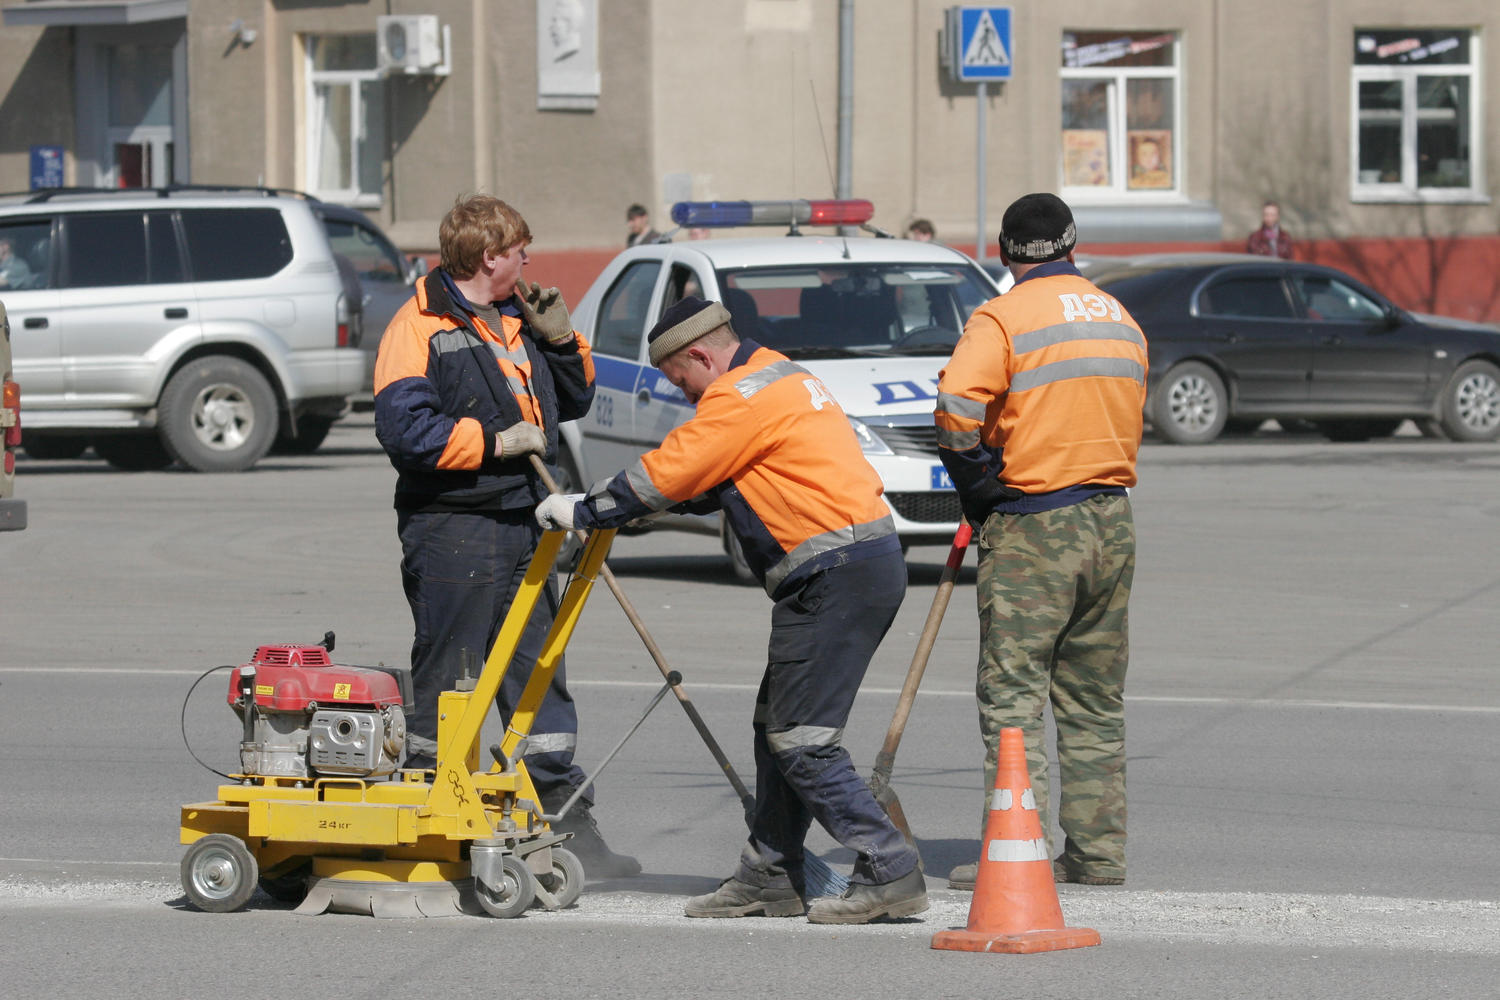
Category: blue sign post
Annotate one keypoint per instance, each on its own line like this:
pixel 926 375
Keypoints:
pixel 979 50
pixel 46 167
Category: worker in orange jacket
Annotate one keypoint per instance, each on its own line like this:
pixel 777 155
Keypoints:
pixel 474 375
pixel 1039 420
pixel 770 446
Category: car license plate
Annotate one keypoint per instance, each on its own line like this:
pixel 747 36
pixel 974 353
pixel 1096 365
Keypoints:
pixel 940 480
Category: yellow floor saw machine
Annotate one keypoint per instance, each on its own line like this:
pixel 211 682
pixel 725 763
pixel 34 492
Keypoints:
pixel 322 812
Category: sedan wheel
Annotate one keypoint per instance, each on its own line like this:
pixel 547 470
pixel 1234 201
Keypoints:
pixel 1191 405
pixel 1471 403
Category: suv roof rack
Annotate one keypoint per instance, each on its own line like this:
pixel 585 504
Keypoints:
pixel 47 194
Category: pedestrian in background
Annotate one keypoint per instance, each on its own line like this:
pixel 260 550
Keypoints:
pixel 921 230
pixel 769 445
pixel 1270 240
pixel 475 374
pixel 638 224
pixel 1039 421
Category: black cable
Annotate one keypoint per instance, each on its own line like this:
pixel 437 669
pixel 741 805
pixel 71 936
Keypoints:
pixel 182 721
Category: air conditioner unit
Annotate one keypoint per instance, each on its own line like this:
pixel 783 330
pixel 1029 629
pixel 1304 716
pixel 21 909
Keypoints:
pixel 409 43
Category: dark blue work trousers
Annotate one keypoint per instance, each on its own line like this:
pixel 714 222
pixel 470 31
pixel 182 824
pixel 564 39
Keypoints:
pixel 822 638
pixel 461 570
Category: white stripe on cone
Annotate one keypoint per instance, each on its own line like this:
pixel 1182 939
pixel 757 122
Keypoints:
pixel 1002 799
pixel 1016 850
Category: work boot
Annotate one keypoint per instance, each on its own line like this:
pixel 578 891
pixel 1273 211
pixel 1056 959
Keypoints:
pixel 1063 872
pixel 861 904
pixel 963 877
pixel 588 844
pixel 734 898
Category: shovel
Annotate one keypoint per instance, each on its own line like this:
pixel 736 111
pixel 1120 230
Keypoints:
pixel 880 778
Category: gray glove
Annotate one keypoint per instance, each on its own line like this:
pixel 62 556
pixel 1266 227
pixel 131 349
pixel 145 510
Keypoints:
pixel 519 439
pixel 556 511
pixel 545 312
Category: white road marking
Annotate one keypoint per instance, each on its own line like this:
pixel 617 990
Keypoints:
pixel 1285 920
pixel 691 686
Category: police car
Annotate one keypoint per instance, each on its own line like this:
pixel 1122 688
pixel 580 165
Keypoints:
pixel 873 317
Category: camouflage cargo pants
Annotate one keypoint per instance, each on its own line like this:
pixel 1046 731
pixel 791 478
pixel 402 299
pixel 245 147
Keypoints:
pixel 1053 593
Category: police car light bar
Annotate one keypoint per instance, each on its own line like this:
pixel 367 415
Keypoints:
pixel 830 212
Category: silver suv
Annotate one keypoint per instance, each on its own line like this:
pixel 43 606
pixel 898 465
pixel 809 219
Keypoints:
pixel 198 325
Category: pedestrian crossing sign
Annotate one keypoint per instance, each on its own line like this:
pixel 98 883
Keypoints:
pixel 982 44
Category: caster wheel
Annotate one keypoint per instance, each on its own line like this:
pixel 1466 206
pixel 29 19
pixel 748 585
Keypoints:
pixel 219 874
pixel 561 887
pixel 517 890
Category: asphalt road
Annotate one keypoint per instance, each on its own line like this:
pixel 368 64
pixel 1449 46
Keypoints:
pixel 1314 773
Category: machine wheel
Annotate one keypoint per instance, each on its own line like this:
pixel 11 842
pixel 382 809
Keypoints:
pixel 54 446
pixel 736 553
pixel 564 884
pixel 219 873
pixel 218 414
pixel 1357 430
pixel 133 452
pixel 312 431
pixel 517 890
pixel 1191 405
pixel 290 887
pixel 1471 403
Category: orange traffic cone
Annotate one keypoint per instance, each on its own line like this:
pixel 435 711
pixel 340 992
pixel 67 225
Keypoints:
pixel 1015 907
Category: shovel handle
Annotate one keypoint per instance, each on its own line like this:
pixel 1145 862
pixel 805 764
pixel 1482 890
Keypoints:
pixel 924 645
pixel 674 679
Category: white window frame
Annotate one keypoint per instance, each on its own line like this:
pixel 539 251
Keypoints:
pixel 316 109
pixel 1406 189
pixel 1119 153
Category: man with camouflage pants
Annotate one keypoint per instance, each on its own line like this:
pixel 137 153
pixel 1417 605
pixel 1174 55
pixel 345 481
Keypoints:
pixel 1039 422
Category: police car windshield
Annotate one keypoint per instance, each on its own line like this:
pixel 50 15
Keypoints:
pixel 853 310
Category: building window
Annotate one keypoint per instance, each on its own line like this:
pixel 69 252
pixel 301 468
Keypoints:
pixel 1121 136
pixel 345 119
pixel 1416 115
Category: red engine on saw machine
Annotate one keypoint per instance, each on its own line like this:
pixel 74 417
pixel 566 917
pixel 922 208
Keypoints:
pixel 305 715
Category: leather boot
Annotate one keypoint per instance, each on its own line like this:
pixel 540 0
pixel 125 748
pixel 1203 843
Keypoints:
pixel 734 898
pixel 861 904
pixel 963 877
pixel 588 844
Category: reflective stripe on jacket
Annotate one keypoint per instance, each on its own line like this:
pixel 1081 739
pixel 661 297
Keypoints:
pixel 446 384
pixel 776 452
pixel 1045 390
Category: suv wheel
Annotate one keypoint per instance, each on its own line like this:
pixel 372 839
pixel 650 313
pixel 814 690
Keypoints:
pixel 312 431
pixel 54 446
pixel 218 414
pixel 133 452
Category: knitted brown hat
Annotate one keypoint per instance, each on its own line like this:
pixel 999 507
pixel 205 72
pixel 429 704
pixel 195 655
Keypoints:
pixel 683 323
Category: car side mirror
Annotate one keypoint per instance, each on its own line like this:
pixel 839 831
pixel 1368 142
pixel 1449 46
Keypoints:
pixel 1395 318
pixel 417 266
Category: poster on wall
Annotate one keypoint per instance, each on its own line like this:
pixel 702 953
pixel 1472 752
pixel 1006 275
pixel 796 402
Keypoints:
pixel 567 55
pixel 1150 159
pixel 1085 157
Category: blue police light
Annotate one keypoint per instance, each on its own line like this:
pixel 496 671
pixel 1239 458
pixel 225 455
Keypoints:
pixel 718 214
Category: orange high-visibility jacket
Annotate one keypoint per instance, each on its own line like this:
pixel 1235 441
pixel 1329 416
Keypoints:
pixel 1041 403
pixel 446 384
pixel 770 446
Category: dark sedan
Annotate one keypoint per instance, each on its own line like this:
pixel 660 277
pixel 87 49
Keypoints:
pixel 1239 339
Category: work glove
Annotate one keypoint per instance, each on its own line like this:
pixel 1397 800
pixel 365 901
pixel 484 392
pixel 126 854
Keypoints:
pixel 556 512
pixel 545 312
pixel 519 439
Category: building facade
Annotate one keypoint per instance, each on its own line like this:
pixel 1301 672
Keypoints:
pixel 1165 123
